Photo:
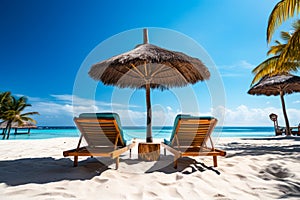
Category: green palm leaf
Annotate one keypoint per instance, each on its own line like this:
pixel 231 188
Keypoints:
pixel 276 49
pixel 286 36
pixel 29 113
pixel 281 12
pixel 265 68
pixel 292 49
pixel 28 119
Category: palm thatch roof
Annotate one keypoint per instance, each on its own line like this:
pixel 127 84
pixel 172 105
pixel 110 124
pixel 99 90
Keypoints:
pixel 16 125
pixel 147 63
pixel 273 85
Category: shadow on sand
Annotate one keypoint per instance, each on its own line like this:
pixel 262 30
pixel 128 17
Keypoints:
pixel 186 165
pixel 47 169
pixel 245 148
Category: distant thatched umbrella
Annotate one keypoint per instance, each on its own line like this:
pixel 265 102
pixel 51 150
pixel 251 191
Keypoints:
pixel 278 85
pixel 15 125
pixel 149 66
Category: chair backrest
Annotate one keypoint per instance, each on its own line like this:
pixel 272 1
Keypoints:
pixel 101 129
pixel 192 131
pixel 278 130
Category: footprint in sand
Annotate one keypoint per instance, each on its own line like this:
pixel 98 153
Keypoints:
pixel 275 170
pixel 98 180
pixel 178 177
pixel 221 197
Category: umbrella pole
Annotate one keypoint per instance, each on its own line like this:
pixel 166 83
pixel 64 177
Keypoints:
pixel 148 100
pixel 287 124
pixel 149 114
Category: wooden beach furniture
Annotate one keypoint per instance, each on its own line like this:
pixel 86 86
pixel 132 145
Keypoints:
pixel 190 137
pixel 103 134
pixel 279 130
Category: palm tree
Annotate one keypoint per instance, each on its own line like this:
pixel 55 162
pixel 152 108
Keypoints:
pixel 280 13
pixel 13 113
pixel 277 63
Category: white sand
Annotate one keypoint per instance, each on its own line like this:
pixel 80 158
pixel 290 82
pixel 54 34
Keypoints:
pixel 252 169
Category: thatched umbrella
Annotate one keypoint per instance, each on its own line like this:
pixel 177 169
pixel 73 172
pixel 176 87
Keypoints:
pixel 280 84
pixel 149 66
pixel 16 125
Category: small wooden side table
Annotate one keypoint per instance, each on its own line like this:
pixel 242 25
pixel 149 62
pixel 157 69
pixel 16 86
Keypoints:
pixel 149 151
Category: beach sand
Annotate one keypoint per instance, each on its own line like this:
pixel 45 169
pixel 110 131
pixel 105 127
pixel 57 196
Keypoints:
pixel 252 169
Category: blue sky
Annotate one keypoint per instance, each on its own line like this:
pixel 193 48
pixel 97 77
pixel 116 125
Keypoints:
pixel 46 48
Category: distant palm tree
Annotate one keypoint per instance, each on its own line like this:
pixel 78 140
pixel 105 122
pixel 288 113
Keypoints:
pixel 13 113
pixel 280 13
pixel 278 64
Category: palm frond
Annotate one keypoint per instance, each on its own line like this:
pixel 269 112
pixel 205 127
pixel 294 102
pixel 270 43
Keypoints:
pixel 19 121
pixel 277 42
pixel 29 113
pixel 286 36
pixel 271 67
pixel 13 101
pixel 290 54
pixel 265 68
pixel 276 50
pixel 4 96
pixel 21 107
pixel 28 119
pixel 288 66
pixel 296 25
pixel 281 12
pixel 264 64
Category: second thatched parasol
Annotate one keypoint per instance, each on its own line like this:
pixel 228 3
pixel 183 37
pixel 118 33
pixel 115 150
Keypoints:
pixel 280 84
pixel 149 66
pixel 16 126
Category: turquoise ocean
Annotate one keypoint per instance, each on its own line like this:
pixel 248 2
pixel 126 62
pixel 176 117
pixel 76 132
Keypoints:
pixel 140 132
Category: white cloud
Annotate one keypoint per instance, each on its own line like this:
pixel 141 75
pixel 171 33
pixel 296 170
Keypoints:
pixel 236 69
pixel 78 101
pixel 245 116
pixel 246 65
pixel 64 97
pixel 160 116
pixel 60 111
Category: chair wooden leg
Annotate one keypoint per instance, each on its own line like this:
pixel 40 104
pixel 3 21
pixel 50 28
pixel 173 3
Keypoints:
pixel 176 161
pixel 75 161
pixel 175 164
pixel 215 161
pixel 165 152
pixel 117 162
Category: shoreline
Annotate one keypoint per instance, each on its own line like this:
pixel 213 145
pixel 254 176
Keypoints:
pixel 280 137
pixel 252 169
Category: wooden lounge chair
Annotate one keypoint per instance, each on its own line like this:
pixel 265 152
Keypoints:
pixel 190 137
pixel 103 134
